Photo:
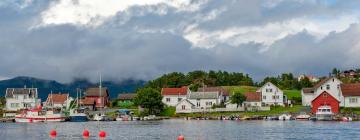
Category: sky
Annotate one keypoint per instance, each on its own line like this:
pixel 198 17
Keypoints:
pixel 142 39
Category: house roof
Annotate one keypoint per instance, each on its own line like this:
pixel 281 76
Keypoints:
pixel 96 92
pixel 350 89
pixel 174 91
pixel 185 100
pixel 87 101
pixel 253 96
pixel 203 95
pixel 222 90
pixel 311 90
pixel 57 98
pixel 127 96
pixel 308 90
pixel 10 92
pixel 328 94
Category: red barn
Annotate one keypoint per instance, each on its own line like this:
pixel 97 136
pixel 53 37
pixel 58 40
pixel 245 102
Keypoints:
pixel 93 95
pixel 325 99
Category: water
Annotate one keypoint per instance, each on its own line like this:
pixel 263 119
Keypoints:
pixel 192 130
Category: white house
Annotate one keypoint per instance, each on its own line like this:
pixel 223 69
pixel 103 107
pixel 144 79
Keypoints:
pixel 172 96
pixel 253 103
pixel 58 100
pixel 21 98
pixel 331 85
pixel 347 94
pixel 351 93
pixel 204 100
pixel 185 106
pixel 271 94
pixel 224 93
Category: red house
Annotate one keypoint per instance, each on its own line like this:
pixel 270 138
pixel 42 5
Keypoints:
pixel 94 96
pixel 325 99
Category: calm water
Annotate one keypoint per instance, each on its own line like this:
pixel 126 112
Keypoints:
pixel 192 130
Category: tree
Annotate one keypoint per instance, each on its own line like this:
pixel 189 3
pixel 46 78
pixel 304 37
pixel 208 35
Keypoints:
pixel 237 98
pixel 150 99
pixel 335 72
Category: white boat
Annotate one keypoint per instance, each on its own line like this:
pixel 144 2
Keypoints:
pixel 303 116
pixel 285 117
pixel 324 113
pixel 36 115
pixel 100 117
pixel 123 118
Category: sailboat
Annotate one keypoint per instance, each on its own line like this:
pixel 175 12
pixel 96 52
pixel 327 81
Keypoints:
pixel 78 114
pixel 101 116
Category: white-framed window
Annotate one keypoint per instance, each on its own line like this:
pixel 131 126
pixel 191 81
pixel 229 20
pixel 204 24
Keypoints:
pixel 208 103
pixel 167 99
pixel 264 97
pixel 183 107
pixel 353 100
pixel 14 104
pixel 273 97
pixel 327 87
pixel 277 96
pixel 198 104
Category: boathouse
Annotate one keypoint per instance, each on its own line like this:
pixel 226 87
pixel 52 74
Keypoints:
pixel 325 99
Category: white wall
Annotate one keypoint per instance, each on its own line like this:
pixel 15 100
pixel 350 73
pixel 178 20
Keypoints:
pixel 334 90
pixel 269 90
pixel 173 99
pixel 203 104
pixel 306 98
pixel 347 102
pixel 188 107
pixel 20 101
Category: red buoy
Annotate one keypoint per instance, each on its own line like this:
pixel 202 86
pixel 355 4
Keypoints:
pixel 102 134
pixel 39 107
pixel 52 133
pixel 86 134
pixel 181 137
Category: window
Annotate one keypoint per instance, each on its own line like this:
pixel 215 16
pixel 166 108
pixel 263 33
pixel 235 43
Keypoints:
pixel 14 105
pixel 338 86
pixel 325 95
pixel 208 103
pixel 270 89
pixel 264 97
pixel 167 99
pixel 327 87
pixel 321 87
pixel 255 104
pixel 277 96
pixel 273 97
pixel 183 107
pixel 353 100
pixel 198 104
pixel 179 99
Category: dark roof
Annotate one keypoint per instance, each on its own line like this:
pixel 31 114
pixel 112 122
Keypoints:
pixel 308 90
pixel 96 92
pixel 57 98
pixel 127 96
pixel 350 89
pixel 87 101
pixel 204 95
pixel 174 91
pixel 222 90
pixel 253 96
pixel 10 92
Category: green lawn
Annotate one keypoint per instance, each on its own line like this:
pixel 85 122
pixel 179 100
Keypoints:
pixel 292 94
pixel 241 89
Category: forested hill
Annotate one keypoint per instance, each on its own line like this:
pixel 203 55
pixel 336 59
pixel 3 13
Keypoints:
pixel 46 86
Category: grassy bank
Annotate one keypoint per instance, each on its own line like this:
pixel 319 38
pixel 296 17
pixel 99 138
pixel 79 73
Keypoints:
pixel 274 111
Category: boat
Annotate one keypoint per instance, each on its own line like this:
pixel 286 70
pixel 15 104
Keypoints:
pixel 303 116
pixel 346 119
pixel 324 113
pixel 78 114
pixel 40 115
pixel 285 117
pixel 101 117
